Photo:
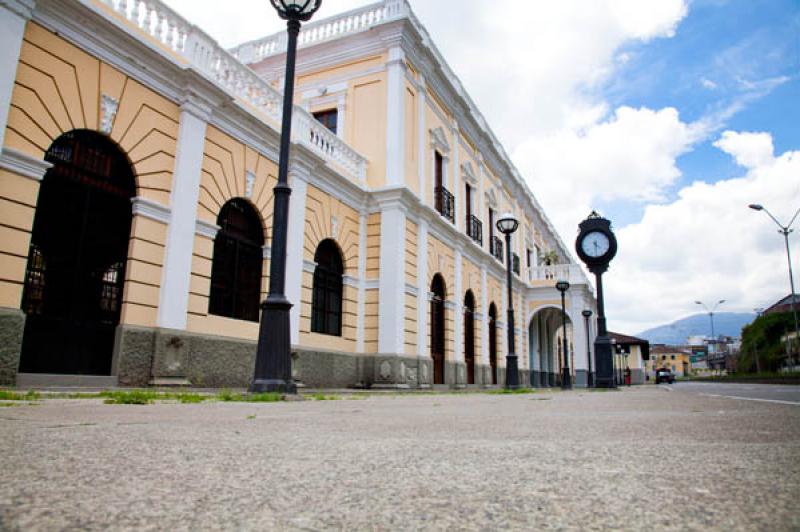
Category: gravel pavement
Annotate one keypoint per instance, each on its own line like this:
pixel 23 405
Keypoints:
pixel 640 458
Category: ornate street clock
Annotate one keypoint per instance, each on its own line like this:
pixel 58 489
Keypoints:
pixel 596 246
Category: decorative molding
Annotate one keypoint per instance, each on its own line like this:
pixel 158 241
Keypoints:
pixel 23 164
pixel 151 209
pixel 412 290
pixel 371 284
pixel 491 199
pixel 21 8
pixel 309 266
pixel 439 141
pixel 206 229
pixel 451 305
pixel 108 109
pixel 266 252
pixel 349 280
pixel 468 173
pixel 249 181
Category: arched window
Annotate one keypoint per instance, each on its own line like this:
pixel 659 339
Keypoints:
pixel 326 303
pixel 469 335
pixel 493 341
pixel 238 259
pixel 74 280
pixel 438 297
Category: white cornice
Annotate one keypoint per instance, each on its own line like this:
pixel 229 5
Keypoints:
pixel 23 164
pixel 21 8
pixel 151 209
pixel 206 229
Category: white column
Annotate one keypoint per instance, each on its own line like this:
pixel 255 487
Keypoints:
pixel 458 300
pixel 485 320
pixel 422 152
pixel 174 296
pixel 395 118
pixel 298 179
pixel 456 187
pixel 423 288
pixel 392 282
pixel 14 14
pixel 362 280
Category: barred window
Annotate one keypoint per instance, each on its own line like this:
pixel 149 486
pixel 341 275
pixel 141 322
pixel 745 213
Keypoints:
pixel 237 264
pixel 326 305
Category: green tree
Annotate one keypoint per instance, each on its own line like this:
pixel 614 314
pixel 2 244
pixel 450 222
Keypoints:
pixel 763 336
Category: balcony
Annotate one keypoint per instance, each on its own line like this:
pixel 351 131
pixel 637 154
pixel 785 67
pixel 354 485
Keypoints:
pixel 515 263
pixel 446 204
pixel 475 229
pixel 496 248
pixel 546 275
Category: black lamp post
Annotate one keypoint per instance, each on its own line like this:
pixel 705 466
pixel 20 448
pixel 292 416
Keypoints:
pixel 507 224
pixel 785 230
pixel 590 378
pixel 566 382
pixel 273 371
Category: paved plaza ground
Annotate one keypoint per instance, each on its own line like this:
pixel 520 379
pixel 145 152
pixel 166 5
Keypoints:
pixel 641 458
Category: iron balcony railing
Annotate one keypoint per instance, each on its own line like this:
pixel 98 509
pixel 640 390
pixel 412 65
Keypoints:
pixel 446 204
pixel 475 229
pixel 515 263
pixel 497 248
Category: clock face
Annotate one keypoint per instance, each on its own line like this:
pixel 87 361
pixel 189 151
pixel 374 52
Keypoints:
pixel 595 244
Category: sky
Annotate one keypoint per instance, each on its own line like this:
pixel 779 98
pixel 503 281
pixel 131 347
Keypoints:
pixel 669 117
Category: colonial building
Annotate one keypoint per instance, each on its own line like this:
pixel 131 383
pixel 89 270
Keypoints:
pixel 630 353
pixel 136 174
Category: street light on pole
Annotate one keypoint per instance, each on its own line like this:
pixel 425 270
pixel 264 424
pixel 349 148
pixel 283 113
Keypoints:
pixel 711 317
pixel 273 369
pixel 590 378
pixel 785 230
pixel 563 286
pixel 507 224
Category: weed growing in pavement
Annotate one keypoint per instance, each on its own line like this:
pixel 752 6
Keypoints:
pixel 515 391
pixel 191 398
pixel 266 397
pixel 135 397
pixel 8 395
pixel 251 416
pixel 322 397
pixel 226 395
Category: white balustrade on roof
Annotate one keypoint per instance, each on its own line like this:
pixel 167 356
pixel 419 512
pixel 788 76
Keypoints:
pixel 179 36
pixel 311 33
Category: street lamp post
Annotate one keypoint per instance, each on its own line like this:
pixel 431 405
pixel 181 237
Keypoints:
pixel 507 224
pixel 711 317
pixel 785 230
pixel 590 378
pixel 566 382
pixel 273 369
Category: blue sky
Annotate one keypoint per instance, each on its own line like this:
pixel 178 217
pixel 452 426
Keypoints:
pixel 668 116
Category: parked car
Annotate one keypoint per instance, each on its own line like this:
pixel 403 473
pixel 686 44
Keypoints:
pixel 665 375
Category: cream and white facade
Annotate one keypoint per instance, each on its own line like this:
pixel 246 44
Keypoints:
pixel 400 186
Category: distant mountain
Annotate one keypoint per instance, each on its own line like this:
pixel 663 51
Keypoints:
pixel 675 333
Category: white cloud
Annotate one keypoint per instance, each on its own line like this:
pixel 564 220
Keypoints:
pixel 751 150
pixel 707 245
pixel 708 84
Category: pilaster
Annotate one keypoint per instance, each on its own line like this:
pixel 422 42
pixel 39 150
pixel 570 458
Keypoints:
pixel 174 294
pixel 422 152
pixel 395 117
pixel 457 188
pixel 485 320
pixel 14 15
pixel 298 179
pixel 362 276
pixel 391 284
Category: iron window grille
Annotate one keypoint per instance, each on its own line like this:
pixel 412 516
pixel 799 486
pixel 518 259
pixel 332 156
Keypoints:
pixel 326 303
pixel 497 248
pixel 446 203
pixel 475 229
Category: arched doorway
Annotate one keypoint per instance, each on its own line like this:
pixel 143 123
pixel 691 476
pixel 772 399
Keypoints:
pixel 469 335
pixel 493 341
pixel 546 346
pixel 438 328
pixel 73 288
pixel 326 292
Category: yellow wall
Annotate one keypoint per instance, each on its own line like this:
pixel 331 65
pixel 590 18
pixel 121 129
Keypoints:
pixel 58 88
pixel 371 299
pixel 366 114
pixel 410 322
pixel 226 162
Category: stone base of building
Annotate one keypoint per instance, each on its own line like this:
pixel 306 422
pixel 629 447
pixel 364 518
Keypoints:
pixel 581 378
pixel 12 325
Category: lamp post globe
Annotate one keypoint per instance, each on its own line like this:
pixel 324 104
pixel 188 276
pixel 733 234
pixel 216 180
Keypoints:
pixel 301 10
pixel 566 378
pixel 273 367
pixel 589 378
pixel 507 224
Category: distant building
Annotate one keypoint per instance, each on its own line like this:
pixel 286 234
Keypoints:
pixel 631 352
pixel 782 305
pixel 677 358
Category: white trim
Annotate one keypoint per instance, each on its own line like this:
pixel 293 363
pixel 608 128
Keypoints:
pixel 309 266
pixel 14 15
pixel 391 318
pixel 266 252
pixel 372 284
pixel 352 282
pixel 458 321
pixel 150 209
pixel 412 290
pixel 206 229
pixel 469 175
pixel 23 164
pixel 439 141
pixel 395 118
pixel 295 238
